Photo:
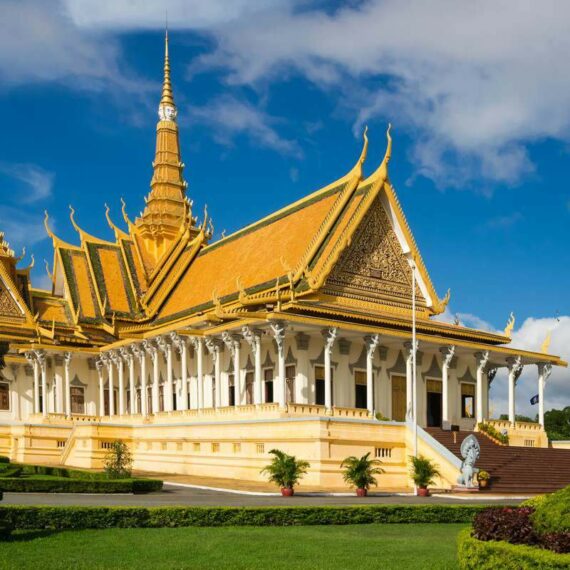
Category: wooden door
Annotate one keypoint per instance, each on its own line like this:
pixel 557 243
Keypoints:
pixel 399 398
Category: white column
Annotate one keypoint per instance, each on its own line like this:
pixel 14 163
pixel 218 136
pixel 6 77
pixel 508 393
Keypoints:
pixel 410 379
pixel 111 384
pixel 329 336
pixel 515 369
pixel 166 348
pixel 140 352
pixel 99 365
pixel 41 357
pixel 32 361
pixel 199 353
pixel 448 353
pixel 253 338
pixel 213 346
pixel 371 346
pixel 482 359
pixel 278 331
pixel 152 351
pixel 118 362
pixel 544 371
pixel 233 344
pixel 58 388
pixel 128 357
pixel 182 347
pixel 67 364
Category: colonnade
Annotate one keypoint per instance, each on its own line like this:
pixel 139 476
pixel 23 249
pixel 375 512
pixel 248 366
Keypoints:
pixel 117 369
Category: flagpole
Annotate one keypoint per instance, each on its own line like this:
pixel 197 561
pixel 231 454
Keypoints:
pixel 414 370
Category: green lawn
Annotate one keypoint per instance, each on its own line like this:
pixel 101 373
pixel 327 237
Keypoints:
pixel 421 546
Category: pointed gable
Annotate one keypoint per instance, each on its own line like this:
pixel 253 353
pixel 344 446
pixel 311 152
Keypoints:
pixel 374 265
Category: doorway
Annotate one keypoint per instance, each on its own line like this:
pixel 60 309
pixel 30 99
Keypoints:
pixel 434 403
pixel 399 398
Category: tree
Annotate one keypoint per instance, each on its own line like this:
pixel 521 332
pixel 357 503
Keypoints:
pixel 557 424
pixel 519 418
pixel 118 461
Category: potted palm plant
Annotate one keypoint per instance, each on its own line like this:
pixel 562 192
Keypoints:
pixel 423 472
pixel 360 472
pixel 285 471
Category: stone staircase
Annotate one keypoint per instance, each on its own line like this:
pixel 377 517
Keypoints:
pixel 519 470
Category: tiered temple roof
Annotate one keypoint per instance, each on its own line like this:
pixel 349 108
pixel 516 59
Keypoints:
pixel 341 254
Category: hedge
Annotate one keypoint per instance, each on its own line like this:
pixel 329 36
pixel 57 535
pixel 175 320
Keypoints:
pixel 61 472
pixel 476 554
pixel 553 512
pixel 63 518
pixel 31 485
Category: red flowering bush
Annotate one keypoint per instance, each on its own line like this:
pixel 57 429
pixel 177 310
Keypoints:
pixel 556 541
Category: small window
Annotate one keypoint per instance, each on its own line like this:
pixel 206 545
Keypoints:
pixel 382 452
pixel 215 447
pixel 360 390
pixel 260 448
pixel 196 447
pixel 77 400
pixel 4 396
pixel 237 447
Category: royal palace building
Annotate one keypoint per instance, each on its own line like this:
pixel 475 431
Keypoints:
pixel 295 333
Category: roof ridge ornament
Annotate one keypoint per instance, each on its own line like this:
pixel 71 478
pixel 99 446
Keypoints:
pixel 510 326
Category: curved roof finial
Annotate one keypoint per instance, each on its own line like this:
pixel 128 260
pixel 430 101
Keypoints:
pixel 46 225
pixel 72 218
pixel 118 231
pixel 388 154
pixel 124 212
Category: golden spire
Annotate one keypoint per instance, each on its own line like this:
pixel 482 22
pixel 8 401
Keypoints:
pixel 167 100
pixel 167 211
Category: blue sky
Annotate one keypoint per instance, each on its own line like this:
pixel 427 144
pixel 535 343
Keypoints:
pixel 272 98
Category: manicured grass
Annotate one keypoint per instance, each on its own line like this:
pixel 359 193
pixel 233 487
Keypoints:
pixel 410 546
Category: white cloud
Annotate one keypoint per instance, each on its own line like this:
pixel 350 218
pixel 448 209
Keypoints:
pixel 21 227
pixel 233 117
pixel 38 182
pixel 473 83
pixel 466 320
pixel 530 336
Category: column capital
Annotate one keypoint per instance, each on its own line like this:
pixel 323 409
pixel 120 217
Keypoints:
pixel 409 347
pixel 41 357
pixel 491 373
pixel 195 341
pixel 232 341
pixel 213 345
pixel 448 353
pixel 67 356
pixel 251 336
pixel 138 351
pixel 164 344
pixel 278 332
pixel 482 358
pixel 372 342
pixel 99 363
pixel 126 354
pixel 329 336
pixel 516 366
pixel 150 349
pixel 544 370
pixel 30 357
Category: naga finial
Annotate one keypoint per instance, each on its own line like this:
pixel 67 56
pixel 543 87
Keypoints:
pixel 510 325
pixel 49 273
pixel 72 218
pixel 46 225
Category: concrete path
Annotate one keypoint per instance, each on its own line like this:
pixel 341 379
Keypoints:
pixel 177 495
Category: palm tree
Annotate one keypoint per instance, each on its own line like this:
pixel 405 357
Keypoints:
pixel 360 472
pixel 423 471
pixel 285 470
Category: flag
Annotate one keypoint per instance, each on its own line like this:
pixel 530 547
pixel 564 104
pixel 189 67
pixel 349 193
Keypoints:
pixel 534 400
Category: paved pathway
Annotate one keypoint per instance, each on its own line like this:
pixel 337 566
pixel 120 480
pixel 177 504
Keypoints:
pixel 175 495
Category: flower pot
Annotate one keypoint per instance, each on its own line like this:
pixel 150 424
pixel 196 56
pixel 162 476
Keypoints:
pixel 287 491
pixel 423 492
pixel 483 483
pixel 361 492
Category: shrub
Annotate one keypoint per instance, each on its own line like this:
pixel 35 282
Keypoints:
pixel 4 459
pixel 533 502
pixel 118 461
pixel 423 471
pixel 476 554
pixel 360 472
pixel 509 524
pixel 61 472
pixel 553 513
pixel 285 470
pixel 556 541
pixel 30 485
pixel 62 518
pixel 493 432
